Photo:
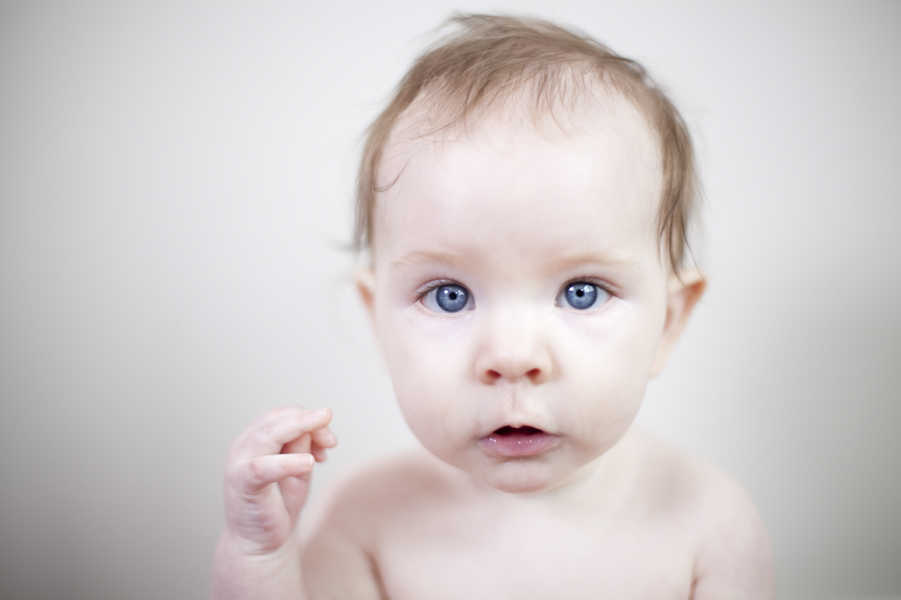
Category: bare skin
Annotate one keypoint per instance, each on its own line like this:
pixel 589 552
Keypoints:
pixel 647 523
pixel 522 304
pixel 267 480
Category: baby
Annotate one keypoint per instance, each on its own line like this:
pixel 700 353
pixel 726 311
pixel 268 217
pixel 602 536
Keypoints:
pixel 523 204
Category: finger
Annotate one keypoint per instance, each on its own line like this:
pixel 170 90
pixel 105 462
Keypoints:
pixel 268 417
pixel 325 437
pixel 294 492
pixel 263 470
pixel 299 445
pixel 319 453
pixel 273 435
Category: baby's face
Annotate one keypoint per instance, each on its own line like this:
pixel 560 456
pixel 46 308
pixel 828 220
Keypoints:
pixel 519 294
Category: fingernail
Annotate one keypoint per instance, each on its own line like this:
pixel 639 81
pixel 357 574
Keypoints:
pixel 320 412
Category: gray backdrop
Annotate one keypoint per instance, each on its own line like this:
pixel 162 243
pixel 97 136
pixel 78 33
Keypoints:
pixel 175 184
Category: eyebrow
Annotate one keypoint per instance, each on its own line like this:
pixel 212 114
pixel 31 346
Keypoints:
pixel 415 259
pixel 591 258
pixel 565 261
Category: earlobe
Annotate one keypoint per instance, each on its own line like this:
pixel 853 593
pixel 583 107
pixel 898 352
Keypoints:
pixel 365 280
pixel 683 292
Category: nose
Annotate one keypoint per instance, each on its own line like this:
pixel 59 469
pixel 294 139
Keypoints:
pixel 513 348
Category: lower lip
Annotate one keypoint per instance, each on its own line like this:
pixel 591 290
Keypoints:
pixel 518 444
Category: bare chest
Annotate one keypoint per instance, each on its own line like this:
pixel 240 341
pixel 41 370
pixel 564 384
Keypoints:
pixel 515 556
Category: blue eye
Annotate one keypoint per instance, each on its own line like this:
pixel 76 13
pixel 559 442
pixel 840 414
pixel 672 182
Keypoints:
pixel 582 295
pixel 448 298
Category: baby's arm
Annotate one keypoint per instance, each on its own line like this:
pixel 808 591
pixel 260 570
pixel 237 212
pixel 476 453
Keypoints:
pixel 267 481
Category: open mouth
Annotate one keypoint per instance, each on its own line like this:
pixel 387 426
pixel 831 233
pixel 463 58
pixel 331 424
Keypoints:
pixel 507 430
pixel 518 441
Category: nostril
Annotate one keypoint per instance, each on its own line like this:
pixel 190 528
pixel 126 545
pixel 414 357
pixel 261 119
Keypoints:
pixel 492 376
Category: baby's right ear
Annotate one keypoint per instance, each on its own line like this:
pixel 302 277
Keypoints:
pixel 365 280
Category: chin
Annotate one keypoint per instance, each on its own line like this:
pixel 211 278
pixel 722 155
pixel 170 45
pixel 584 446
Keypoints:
pixel 520 477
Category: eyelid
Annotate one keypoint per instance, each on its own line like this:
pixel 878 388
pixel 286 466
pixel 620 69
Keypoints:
pixel 602 284
pixel 433 285
pixel 423 292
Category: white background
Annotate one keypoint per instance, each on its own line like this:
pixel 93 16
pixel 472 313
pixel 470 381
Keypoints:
pixel 175 192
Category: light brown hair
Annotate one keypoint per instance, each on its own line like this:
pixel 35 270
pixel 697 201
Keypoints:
pixel 488 60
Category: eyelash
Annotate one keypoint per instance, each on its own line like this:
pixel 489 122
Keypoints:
pixel 600 283
pixel 424 292
pixel 605 287
pixel 602 286
pixel 434 285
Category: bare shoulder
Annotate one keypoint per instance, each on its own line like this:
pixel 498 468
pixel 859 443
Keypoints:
pixel 376 490
pixel 733 557
pixel 343 527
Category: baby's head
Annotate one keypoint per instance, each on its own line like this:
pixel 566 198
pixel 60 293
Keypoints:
pixel 524 200
pixel 494 67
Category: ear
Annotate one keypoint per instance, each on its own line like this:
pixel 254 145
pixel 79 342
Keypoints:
pixel 683 292
pixel 365 280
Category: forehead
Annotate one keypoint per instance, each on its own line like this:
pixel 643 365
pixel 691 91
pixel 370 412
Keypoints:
pixel 553 184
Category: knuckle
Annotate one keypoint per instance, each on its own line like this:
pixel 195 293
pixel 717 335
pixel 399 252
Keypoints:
pixel 267 431
pixel 257 470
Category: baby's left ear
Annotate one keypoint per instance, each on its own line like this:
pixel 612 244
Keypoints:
pixel 364 277
pixel 683 292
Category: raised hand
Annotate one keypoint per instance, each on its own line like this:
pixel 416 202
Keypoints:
pixel 267 476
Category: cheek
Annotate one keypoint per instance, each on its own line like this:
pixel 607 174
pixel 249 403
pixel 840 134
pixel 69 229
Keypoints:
pixel 427 368
pixel 609 389
pixel 608 368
